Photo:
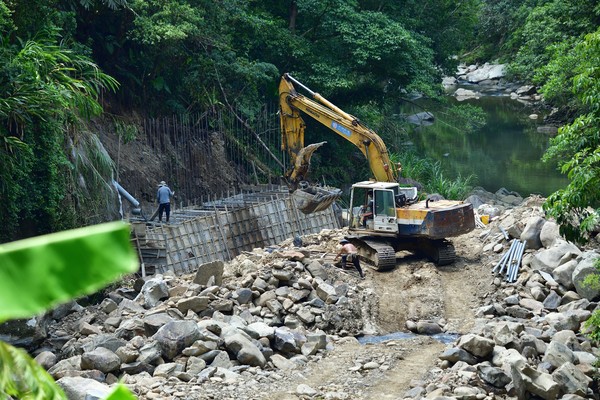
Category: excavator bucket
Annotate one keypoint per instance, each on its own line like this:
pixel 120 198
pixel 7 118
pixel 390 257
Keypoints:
pixel 312 199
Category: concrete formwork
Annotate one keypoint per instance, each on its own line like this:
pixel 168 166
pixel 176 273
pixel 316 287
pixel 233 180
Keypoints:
pixel 223 229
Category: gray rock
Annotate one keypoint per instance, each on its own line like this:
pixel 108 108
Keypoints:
pixel 316 270
pixel 153 291
pixel 68 364
pixel 570 320
pixel 479 346
pixel 456 354
pixel 558 354
pixel 327 293
pixel 585 268
pixel 127 354
pixel 286 341
pixel 195 365
pixel 208 270
pixel 244 350
pixel 552 301
pixel 168 369
pixel 137 367
pixel 150 352
pixel 101 359
pixel 571 379
pixel 130 328
pixel 428 328
pixel 77 388
pixel 531 233
pixel 549 259
pixel 221 360
pixel 297 295
pixel 243 295
pixel 564 274
pixel 175 336
pixel 280 362
pixel 535 382
pixel 259 329
pixel 153 322
pixel 305 390
pixel 549 234
pixel 46 359
pixel 200 347
pixel 196 303
pixel 283 275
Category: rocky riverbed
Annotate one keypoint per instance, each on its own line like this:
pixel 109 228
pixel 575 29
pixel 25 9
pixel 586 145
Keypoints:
pixel 283 322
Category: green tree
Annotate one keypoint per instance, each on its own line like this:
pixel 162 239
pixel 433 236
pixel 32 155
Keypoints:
pixel 46 89
pixel 577 148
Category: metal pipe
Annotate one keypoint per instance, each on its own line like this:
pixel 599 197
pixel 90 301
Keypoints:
pixel 500 262
pixel 125 194
pixel 518 262
pixel 513 264
pixel 510 261
pixel 506 262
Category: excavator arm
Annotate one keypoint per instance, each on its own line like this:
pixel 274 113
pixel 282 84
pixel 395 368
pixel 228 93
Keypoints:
pixel 291 103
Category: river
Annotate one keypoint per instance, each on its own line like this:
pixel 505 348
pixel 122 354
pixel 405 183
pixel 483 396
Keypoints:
pixel 506 152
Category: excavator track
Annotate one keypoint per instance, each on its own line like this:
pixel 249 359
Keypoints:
pixel 380 255
pixel 441 252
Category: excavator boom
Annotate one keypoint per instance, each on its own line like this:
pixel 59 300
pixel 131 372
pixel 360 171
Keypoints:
pixel 345 125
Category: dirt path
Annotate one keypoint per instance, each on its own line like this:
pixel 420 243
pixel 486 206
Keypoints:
pixel 415 290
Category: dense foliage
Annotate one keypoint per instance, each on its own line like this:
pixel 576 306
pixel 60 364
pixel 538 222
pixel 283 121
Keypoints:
pixel 61 57
pixel 577 146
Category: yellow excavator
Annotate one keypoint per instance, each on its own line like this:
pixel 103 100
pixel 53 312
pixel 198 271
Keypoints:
pixel 384 218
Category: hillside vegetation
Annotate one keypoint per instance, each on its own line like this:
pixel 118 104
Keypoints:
pixel 67 61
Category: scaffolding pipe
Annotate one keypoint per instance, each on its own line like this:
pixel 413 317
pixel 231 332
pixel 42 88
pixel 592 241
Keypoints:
pixel 504 256
pixel 511 262
pixel 506 262
pixel 518 262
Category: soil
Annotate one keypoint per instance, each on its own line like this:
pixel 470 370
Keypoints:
pixel 415 290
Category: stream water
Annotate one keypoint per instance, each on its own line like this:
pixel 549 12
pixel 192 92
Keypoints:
pixel 506 152
pixel 440 337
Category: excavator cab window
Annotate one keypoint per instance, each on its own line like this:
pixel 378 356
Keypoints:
pixel 385 204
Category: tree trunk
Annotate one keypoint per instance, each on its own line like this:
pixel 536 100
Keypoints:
pixel 293 15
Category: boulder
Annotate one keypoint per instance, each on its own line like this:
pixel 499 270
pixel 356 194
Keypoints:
pixel 175 336
pixel 558 354
pixel 549 234
pixel 564 274
pixel 153 291
pixel 531 233
pixel 316 270
pixel 244 350
pixel 571 379
pixel 77 388
pixel 493 375
pixel 549 259
pixel 208 270
pixel 101 359
pixel 585 268
pixel 477 345
pixel 456 354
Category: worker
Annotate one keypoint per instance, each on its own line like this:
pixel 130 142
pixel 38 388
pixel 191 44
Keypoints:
pixel 349 253
pixel 163 198
pixel 367 210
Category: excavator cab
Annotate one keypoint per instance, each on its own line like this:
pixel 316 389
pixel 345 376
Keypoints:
pixel 373 207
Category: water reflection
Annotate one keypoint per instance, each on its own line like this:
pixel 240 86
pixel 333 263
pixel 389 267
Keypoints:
pixel 504 153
